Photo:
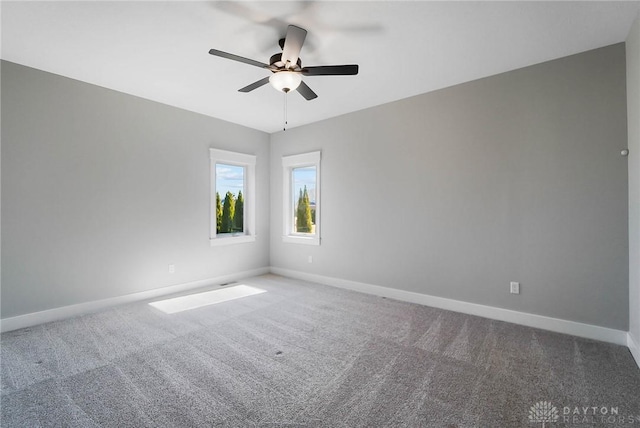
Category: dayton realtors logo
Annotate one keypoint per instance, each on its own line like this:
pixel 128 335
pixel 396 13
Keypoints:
pixel 545 412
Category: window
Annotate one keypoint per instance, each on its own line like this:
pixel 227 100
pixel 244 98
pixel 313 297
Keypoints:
pixel 301 177
pixel 232 197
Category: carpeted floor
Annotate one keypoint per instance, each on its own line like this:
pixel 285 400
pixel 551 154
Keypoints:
pixel 303 354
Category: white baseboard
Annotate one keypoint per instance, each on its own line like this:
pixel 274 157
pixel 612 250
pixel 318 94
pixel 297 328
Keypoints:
pixel 634 348
pixel 558 325
pixel 28 320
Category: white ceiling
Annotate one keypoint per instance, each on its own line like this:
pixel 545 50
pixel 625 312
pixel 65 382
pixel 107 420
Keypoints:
pixel 159 50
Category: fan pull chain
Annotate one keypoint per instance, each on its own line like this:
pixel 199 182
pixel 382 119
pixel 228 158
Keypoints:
pixel 285 112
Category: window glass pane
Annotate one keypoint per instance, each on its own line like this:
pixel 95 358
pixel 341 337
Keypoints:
pixel 304 199
pixel 230 198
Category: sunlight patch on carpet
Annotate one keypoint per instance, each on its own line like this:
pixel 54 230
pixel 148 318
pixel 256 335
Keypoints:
pixel 206 298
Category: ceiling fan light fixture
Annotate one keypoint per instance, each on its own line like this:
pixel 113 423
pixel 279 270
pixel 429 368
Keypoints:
pixel 287 67
pixel 285 81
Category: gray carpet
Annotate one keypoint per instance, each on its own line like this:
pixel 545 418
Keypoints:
pixel 304 354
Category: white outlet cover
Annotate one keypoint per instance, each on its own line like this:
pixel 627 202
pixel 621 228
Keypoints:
pixel 515 287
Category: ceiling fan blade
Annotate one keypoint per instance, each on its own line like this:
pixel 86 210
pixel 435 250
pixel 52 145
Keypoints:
pixel 331 70
pixel 233 57
pixel 255 85
pixel 293 44
pixel 306 92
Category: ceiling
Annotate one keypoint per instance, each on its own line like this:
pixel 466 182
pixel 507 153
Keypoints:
pixel 159 50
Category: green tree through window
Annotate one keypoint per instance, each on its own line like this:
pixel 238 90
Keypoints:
pixel 303 215
pixel 230 207
pixel 238 216
pixel 218 212
pixel 304 184
pixel 226 223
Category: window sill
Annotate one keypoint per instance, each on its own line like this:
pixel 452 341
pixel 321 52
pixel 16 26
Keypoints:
pixel 230 240
pixel 299 239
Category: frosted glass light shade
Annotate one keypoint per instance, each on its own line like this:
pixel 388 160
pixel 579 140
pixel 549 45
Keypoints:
pixel 285 81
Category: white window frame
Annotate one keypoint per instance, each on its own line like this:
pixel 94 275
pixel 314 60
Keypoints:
pixel 217 156
pixel 289 163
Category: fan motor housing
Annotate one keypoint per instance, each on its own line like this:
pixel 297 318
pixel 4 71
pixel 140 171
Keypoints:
pixel 276 61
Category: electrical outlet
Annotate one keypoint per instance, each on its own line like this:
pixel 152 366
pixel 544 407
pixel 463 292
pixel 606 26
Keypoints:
pixel 310 259
pixel 515 287
pixel 172 268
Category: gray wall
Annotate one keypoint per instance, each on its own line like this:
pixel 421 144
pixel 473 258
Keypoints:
pixel 101 191
pixel 633 115
pixel 454 193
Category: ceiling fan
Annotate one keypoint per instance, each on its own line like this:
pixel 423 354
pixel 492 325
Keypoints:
pixel 287 67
